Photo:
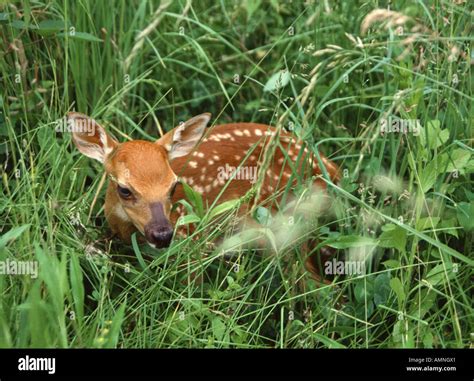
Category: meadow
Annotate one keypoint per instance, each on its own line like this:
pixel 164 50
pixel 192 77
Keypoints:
pixel 384 89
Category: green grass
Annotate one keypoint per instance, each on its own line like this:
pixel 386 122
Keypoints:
pixel 405 204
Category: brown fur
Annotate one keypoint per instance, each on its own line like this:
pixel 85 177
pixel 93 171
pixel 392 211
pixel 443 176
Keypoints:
pixel 152 176
pixel 144 167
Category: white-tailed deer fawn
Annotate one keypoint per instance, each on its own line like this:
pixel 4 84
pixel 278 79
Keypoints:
pixel 144 175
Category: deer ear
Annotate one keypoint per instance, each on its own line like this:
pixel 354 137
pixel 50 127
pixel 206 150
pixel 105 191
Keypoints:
pixel 182 139
pixel 90 137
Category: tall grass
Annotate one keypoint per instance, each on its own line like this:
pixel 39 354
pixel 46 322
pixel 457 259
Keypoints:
pixel 404 206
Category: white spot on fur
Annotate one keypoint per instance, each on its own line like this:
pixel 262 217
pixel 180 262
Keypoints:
pixel 224 136
pixel 238 133
pixel 258 132
pixel 193 164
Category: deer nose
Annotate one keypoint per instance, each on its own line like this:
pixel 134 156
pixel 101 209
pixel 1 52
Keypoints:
pixel 158 235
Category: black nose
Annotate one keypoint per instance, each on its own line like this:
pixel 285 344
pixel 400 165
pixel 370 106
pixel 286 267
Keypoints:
pixel 160 236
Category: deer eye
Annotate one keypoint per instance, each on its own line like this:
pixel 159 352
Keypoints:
pixel 124 193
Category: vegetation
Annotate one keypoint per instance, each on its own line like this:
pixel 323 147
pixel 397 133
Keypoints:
pixel 343 75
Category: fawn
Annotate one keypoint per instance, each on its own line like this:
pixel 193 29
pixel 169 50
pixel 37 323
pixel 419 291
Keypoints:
pixel 144 176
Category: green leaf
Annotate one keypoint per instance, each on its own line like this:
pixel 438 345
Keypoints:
pixel 427 223
pixel 422 304
pixel 397 287
pixel 77 286
pixel 82 36
pixel 277 81
pixel 20 24
pixel 465 215
pixel 392 264
pixel 46 27
pixel 113 335
pixel 457 159
pixel 188 219
pixel 194 198
pixel 437 274
pixel 4 19
pixel 137 252
pixel 12 234
pixel 448 226
pixel 381 288
pixel 186 204
pixel 53 273
pixel 263 216
pixel 251 6
pixel 428 176
pixel 276 5
pixel 364 290
pixel 469 167
pixel 393 236
pixel 432 135
pixel 224 207
pixel 330 343
pixel 442 137
pixel 218 328
pixel 344 242
pixel 428 340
